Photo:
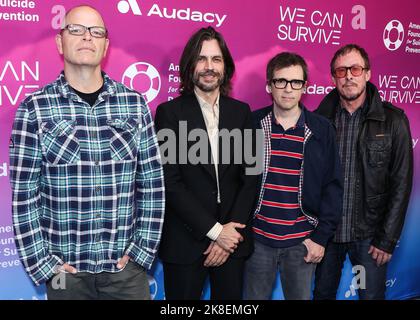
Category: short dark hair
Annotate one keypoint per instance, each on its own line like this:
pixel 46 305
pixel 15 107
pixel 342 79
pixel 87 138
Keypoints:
pixel 346 49
pixel 284 60
pixel 191 53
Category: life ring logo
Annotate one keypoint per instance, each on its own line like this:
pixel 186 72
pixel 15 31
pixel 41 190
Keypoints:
pixel 144 78
pixel 153 286
pixel 393 35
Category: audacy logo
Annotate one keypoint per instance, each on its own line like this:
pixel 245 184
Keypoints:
pixel 124 6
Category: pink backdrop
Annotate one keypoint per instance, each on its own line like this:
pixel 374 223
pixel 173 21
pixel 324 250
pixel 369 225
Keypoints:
pixel 147 38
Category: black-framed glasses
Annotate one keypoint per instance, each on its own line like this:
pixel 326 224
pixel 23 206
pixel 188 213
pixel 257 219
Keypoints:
pixel 341 72
pixel 80 30
pixel 281 83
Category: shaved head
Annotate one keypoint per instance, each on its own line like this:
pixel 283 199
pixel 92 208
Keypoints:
pixel 75 12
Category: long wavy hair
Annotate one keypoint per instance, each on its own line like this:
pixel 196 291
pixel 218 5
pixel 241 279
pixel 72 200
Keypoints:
pixel 190 56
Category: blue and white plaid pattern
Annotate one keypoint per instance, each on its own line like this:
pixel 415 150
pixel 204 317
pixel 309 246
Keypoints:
pixel 87 181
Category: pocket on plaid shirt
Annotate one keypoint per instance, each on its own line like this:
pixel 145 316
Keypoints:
pixel 59 142
pixel 123 142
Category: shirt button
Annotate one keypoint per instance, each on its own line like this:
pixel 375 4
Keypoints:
pixel 98 189
pixel 96 163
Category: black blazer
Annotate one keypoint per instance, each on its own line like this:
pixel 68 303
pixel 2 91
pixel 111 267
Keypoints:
pixel 191 189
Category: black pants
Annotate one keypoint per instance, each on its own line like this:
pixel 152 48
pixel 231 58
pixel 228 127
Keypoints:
pixel 128 284
pixel 186 282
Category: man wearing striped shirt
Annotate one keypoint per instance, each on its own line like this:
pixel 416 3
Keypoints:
pixel 88 192
pixel 299 203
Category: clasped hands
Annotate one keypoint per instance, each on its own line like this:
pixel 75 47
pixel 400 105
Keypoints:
pixel 226 243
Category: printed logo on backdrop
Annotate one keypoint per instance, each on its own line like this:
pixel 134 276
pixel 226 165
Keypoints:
pixel 18 10
pixel 4 169
pixel 394 36
pixel 144 78
pixel 186 14
pixel 153 286
pixel 399 89
pixel 302 25
pixel 18 79
pixel 8 254
pixel 322 27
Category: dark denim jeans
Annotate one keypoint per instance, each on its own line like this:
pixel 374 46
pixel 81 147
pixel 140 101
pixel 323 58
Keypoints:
pixel 328 272
pixel 295 274
pixel 128 284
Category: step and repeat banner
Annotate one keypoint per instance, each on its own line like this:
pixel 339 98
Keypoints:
pixel 146 41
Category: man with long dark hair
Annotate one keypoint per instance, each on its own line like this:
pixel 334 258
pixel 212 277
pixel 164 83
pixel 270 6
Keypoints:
pixel 209 201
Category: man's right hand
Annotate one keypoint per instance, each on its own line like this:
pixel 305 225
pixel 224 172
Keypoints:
pixel 229 238
pixel 67 268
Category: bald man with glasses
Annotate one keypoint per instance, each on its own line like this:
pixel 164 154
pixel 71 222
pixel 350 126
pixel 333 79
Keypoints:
pixel 87 183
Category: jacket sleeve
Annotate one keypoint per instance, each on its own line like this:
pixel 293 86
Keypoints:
pixel 179 199
pixel 150 196
pixel 331 207
pixel 401 179
pixel 25 177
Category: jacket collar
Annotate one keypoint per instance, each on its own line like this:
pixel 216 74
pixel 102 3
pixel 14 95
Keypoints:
pixel 328 106
pixel 310 122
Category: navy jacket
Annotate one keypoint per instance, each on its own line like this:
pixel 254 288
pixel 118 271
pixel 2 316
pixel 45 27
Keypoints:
pixel 321 185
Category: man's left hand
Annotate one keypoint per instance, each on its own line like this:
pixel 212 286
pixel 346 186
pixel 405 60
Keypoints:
pixel 379 255
pixel 216 255
pixel 123 262
pixel 315 251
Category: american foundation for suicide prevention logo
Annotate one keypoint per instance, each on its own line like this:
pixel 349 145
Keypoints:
pixel 393 35
pixel 144 78
pixel 153 286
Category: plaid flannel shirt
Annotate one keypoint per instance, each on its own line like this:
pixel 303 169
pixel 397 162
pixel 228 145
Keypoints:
pixel 87 181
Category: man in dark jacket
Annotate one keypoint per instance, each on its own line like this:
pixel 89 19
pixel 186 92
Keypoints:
pixel 377 158
pixel 300 190
pixel 209 202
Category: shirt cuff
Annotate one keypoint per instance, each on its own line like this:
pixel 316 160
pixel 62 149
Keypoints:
pixel 215 231
pixel 46 270
pixel 140 255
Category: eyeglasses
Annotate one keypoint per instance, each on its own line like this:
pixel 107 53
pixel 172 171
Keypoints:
pixel 281 83
pixel 80 30
pixel 341 72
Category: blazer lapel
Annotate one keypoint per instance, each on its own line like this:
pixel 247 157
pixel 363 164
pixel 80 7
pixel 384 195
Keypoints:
pixel 225 122
pixel 195 120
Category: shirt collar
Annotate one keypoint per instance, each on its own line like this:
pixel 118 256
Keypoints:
pixel 109 87
pixel 300 123
pixel 203 103
pixel 363 108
